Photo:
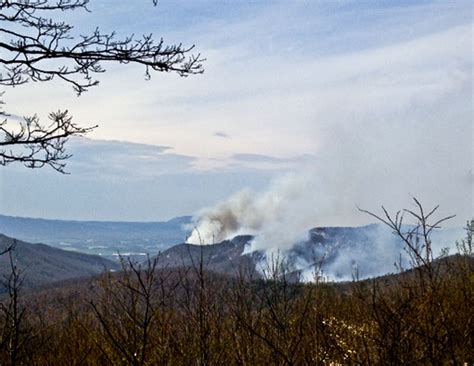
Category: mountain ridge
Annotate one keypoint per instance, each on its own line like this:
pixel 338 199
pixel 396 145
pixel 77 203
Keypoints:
pixel 42 264
pixel 338 252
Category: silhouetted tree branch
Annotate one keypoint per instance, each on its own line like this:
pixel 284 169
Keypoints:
pixel 415 237
pixel 14 333
pixel 36 145
pixel 35 46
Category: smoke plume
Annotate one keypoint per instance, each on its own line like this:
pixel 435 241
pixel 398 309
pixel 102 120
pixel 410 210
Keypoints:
pixel 278 217
pixel 365 158
pixel 279 220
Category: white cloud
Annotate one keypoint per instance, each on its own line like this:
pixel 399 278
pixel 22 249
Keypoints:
pixel 124 160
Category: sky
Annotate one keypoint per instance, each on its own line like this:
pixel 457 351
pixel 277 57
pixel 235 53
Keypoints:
pixel 371 100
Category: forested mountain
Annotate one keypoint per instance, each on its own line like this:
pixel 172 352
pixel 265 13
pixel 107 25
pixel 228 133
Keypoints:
pixel 336 252
pixel 41 264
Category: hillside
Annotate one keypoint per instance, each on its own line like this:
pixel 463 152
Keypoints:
pixel 170 311
pixel 224 258
pixel 341 253
pixel 397 317
pixel 43 265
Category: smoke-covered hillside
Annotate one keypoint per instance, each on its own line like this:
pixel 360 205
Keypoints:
pixel 339 253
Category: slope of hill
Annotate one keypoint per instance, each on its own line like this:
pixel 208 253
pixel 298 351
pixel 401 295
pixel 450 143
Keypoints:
pixel 98 237
pixel 225 257
pixel 368 318
pixel 340 252
pixel 42 265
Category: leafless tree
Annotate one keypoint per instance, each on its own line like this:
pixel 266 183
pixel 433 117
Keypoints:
pixel 417 238
pixel 14 333
pixel 422 295
pixel 36 46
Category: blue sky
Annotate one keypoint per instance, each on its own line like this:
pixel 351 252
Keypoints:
pixel 373 98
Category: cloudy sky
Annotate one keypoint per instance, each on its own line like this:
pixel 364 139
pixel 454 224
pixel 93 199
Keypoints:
pixel 373 100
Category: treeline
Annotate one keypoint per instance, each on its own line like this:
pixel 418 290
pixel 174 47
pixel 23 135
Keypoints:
pixel 189 316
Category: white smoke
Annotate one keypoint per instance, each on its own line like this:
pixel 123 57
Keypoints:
pixel 367 159
pixel 382 253
pixel 278 217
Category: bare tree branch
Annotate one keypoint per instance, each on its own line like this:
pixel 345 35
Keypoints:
pixel 35 145
pixel 415 237
pixel 35 46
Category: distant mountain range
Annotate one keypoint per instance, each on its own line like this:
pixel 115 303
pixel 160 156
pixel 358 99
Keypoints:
pixel 42 265
pixel 341 253
pixel 105 238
